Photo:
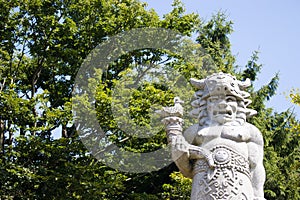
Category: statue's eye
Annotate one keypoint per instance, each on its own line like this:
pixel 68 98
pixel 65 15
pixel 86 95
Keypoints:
pixel 213 99
pixel 230 99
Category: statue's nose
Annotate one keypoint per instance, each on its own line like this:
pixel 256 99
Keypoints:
pixel 222 104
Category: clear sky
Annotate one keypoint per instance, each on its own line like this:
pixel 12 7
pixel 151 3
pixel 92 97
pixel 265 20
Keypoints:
pixel 271 27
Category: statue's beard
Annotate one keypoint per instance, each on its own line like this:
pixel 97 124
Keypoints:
pixel 223 117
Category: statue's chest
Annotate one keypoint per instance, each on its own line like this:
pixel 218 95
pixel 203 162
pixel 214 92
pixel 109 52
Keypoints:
pixel 234 133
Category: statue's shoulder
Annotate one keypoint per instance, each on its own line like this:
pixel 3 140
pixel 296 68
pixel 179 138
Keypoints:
pixel 255 133
pixel 190 133
pixel 251 127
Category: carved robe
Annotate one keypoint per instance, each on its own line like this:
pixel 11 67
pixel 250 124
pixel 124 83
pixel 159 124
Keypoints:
pixel 230 177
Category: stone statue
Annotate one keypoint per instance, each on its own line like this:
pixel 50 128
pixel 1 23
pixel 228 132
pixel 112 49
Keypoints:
pixel 222 153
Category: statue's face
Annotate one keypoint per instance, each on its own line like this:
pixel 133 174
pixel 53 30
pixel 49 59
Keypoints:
pixel 222 108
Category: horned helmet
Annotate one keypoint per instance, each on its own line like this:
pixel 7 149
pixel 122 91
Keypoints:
pixel 221 84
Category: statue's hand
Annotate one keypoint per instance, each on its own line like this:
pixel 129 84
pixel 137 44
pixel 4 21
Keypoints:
pixel 180 144
pixel 179 147
pixel 199 153
pixel 196 154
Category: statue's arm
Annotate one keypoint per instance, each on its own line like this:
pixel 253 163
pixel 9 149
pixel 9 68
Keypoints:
pixel 183 163
pixel 181 151
pixel 255 148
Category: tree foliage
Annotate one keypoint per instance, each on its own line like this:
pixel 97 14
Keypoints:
pixel 295 96
pixel 43 44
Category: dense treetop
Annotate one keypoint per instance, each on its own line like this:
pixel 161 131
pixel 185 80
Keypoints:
pixel 43 44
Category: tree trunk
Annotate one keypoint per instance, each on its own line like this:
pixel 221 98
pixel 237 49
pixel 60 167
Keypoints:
pixel 64 131
pixel 2 137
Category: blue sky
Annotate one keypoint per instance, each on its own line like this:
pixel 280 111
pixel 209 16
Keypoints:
pixel 272 27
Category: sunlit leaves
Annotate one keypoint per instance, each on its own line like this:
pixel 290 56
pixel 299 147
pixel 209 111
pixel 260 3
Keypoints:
pixel 295 96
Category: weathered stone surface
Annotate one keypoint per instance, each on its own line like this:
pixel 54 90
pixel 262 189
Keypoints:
pixel 222 153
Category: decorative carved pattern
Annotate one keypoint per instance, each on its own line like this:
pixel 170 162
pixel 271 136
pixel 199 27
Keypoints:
pixel 226 157
pixel 223 185
pixel 224 181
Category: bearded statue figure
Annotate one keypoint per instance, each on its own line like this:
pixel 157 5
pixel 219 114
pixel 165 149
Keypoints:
pixel 222 153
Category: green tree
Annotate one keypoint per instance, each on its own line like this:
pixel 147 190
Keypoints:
pixel 44 43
